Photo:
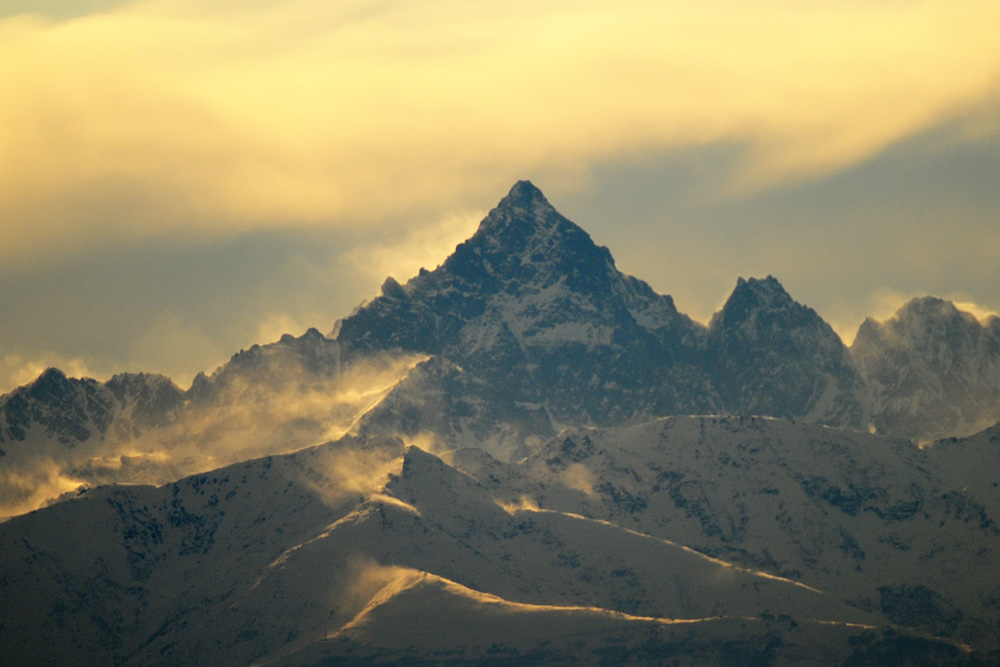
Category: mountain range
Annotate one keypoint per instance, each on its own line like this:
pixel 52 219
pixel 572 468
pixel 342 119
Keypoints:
pixel 497 463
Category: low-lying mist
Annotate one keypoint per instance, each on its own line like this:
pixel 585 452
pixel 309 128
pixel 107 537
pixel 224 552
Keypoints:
pixel 249 416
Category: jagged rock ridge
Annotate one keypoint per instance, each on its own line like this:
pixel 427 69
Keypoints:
pixel 69 410
pixel 531 307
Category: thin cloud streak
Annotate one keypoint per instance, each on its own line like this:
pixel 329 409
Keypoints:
pixel 403 257
pixel 176 118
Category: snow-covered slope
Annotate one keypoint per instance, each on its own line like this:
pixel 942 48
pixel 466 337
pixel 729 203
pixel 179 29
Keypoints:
pixel 431 621
pixel 412 619
pixel 874 521
pixel 364 549
pixel 120 574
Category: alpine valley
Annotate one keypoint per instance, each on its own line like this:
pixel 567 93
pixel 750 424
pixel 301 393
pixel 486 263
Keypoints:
pixel 522 457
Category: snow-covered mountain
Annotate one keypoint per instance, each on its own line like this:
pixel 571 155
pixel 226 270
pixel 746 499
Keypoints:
pixel 364 550
pixel 493 464
pixel 534 312
pixel 57 424
pixel 68 410
pixel 773 356
pixel 528 327
pixel 529 305
pixel 870 520
pixel 934 370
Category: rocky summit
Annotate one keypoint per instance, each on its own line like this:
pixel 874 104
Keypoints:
pixel 532 306
pixel 934 371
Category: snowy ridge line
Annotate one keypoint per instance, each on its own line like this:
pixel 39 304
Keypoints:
pixel 514 509
pixel 411 578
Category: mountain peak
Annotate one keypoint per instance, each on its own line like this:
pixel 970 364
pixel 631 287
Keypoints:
pixel 525 240
pixel 524 192
pixel 754 296
pixel 522 215
pixel 50 384
pixel 923 318
pixel 524 201
pixel 775 356
pixel 933 367
pixel 768 287
pixel 50 375
pixel 518 303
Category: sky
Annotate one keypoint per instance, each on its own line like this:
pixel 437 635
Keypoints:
pixel 182 179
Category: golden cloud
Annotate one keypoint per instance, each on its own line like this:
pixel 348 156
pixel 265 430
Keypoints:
pixel 403 257
pixel 172 117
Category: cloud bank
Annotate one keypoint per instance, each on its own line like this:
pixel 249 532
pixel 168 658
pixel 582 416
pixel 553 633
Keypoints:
pixel 167 118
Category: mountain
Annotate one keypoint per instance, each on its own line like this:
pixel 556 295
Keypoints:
pixel 527 328
pixel 366 551
pixel 531 305
pixel 495 463
pixel 544 331
pixel 69 411
pixel 933 369
pixel 56 431
pixel 887 526
pixel 285 364
pixel 773 356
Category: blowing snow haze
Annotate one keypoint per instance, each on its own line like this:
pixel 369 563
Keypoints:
pixel 497 461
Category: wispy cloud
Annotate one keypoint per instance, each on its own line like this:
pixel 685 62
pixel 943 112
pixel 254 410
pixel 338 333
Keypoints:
pixel 422 247
pixel 981 313
pixel 31 486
